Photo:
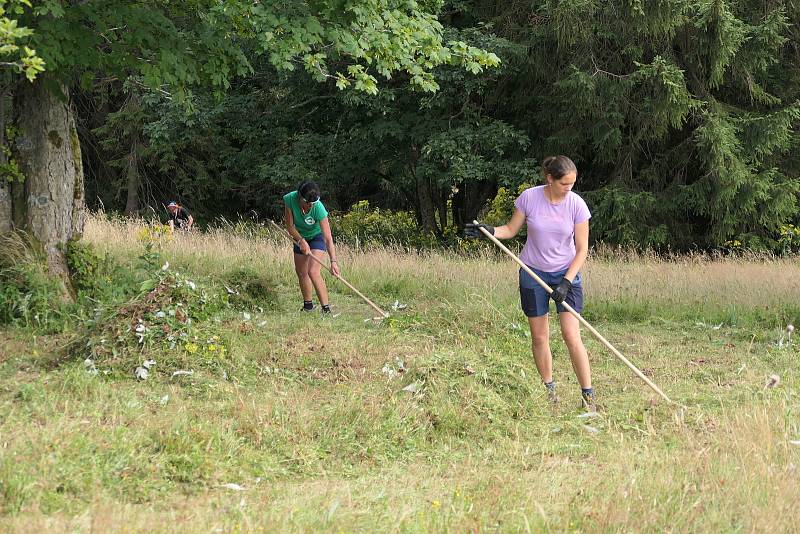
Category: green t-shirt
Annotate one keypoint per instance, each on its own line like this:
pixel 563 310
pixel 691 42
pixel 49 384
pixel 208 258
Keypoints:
pixel 306 223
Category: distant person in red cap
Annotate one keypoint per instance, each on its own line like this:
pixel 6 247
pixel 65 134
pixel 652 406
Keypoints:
pixel 179 217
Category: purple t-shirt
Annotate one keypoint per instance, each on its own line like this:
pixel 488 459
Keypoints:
pixel 551 228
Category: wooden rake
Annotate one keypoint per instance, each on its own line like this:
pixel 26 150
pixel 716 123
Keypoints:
pixel 583 321
pixel 342 280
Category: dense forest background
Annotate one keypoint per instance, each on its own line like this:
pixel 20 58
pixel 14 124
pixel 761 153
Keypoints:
pixel 680 114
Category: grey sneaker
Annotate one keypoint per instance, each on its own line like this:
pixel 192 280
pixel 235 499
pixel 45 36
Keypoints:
pixel 307 310
pixel 552 397
pixel 588 402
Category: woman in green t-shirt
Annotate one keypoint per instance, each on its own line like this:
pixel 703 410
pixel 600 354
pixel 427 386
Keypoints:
pixel 306 219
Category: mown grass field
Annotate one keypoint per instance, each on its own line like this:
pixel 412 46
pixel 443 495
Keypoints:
pixel 309 418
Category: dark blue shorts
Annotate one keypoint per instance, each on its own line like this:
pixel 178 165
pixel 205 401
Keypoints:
pixel 536 301
pixel 316 243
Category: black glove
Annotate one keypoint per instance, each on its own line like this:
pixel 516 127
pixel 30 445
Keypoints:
pixel 560 292
pixel 471 230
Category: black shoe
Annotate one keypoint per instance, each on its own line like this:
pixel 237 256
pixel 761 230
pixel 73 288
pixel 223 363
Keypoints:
pixel 326 309
pixel 304 309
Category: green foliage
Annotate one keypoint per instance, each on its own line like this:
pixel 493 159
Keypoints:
pixel 631 219
pixel 480 150
pixel 167 316
pixel 86 267
pixel 147 39
pixel 153 238
pixel 9 168
pixel 360 39
pixel 384 37
pixel 734 195
pixel 99 281
pixel 217 147
pixel 685 111
pixel 682 115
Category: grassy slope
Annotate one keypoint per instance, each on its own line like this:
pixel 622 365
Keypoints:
pixel 323 439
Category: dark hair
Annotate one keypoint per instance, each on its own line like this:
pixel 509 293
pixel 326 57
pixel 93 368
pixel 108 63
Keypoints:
pixel 308 191
pixel 558 166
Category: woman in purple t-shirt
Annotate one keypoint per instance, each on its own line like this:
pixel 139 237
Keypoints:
pixel 556 249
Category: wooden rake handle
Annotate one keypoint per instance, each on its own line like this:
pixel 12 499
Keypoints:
pixel 339 277
pixel 583 321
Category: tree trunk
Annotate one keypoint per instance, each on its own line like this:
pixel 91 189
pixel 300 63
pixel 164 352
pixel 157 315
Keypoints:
pixel 49 205
pixel 5 187
pixel 425 204
pixel 469 200
pixel 133 180
pixel 441 206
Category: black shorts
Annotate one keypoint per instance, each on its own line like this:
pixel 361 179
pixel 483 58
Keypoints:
pixel 536 301
pixel 316 243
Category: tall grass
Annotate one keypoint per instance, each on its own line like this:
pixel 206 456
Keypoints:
pixel 620 284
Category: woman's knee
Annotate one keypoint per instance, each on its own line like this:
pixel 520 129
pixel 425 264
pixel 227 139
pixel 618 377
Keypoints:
pixel 315 270
pixel 540 330
pixel 316 280
pixel 540 338
pixel 574 344
pixel 572 338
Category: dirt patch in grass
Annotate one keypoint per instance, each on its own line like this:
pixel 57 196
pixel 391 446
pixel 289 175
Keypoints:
pixel 12 345
pixel 39 351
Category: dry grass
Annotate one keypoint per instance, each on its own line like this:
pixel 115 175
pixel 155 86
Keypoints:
pixel 748 282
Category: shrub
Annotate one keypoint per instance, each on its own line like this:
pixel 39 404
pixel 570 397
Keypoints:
pixel 98 278
pixel 86 267
pixel 363 224
pixel 502 205
pixel 789 241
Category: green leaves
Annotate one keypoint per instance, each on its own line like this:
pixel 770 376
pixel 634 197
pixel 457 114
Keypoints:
pixel 683 113
pixel 739 198
pixel 384 37
pixel 481 150
pixel 49 7
pixel 21 59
